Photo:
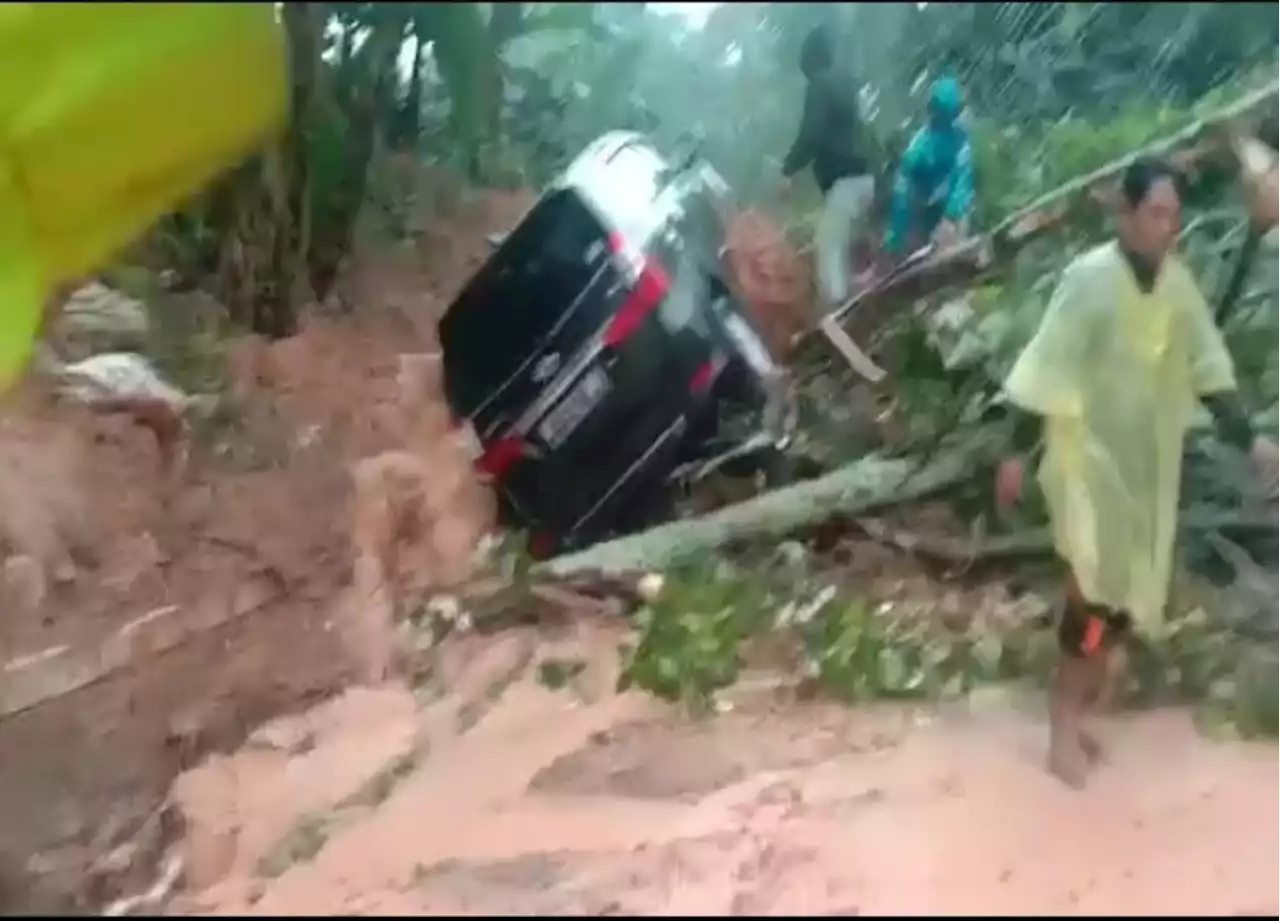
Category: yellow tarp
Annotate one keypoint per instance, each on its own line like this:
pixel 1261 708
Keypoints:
pixel 110 115
pixel 1117 373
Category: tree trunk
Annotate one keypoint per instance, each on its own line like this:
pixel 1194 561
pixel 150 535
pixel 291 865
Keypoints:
pixel 290 173
pixel 261 211
pixel 410 121
pixel 376 63
pixel 851 490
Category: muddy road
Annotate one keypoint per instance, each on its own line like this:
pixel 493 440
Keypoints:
pixel 503 797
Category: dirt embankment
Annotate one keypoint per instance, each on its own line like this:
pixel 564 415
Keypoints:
pixel 175 621
pixel 187 622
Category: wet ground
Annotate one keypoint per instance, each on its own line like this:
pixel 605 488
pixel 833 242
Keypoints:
pixel 503 797
pixel 196 617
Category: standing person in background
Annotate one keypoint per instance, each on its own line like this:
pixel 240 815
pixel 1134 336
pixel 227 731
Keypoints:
pixel 933 190
pixel 832 140
pixel 1126 348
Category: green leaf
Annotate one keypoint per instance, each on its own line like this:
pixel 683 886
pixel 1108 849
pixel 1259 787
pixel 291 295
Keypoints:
pixel 893 673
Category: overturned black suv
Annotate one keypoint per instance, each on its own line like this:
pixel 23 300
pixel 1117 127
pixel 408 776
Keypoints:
pixel 600 353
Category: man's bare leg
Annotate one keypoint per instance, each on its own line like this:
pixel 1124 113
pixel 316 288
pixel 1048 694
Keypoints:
pixel 1102 664
pixel 1082 682
pixel 1068 694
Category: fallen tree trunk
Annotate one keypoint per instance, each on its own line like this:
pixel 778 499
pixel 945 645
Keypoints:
pixel 982 255
pixel 1039 541
pixel 964 263
pixel 1186 148
pixel 851 490
pixel 1258 167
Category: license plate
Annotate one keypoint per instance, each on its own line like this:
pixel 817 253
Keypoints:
pixel 576 406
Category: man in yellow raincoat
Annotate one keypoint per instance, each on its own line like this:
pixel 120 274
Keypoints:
pixel 1125 351
pixel 110 115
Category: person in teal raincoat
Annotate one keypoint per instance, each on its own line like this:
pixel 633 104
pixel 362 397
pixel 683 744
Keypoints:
pixel 933 189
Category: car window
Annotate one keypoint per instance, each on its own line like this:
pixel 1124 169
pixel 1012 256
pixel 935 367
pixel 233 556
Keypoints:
pixel 516 298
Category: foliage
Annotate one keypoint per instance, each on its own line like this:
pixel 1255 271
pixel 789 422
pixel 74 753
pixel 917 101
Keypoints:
pixel 692 636
pixel 512 91
pixel 1007 309
pixel 516 89
pixel 692 639
pixel 1015 162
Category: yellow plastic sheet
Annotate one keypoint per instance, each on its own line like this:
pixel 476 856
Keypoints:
pixel 110 115
pixel 1117 373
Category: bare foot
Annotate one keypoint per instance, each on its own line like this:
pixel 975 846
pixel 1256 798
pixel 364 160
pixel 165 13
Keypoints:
pixel 1068 762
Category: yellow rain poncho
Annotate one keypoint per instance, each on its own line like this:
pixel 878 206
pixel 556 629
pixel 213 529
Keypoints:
pixel 110 115
pixel 1117 373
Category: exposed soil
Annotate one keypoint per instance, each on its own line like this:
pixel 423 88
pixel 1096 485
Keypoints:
pixel 213 606
pixel 191 633
pixel 591 803
pixel 213 602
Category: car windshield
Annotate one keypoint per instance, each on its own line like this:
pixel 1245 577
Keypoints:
pixel 517 298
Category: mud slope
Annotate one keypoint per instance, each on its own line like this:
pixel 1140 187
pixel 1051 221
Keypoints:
pixel 502 797
pixel 176 619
